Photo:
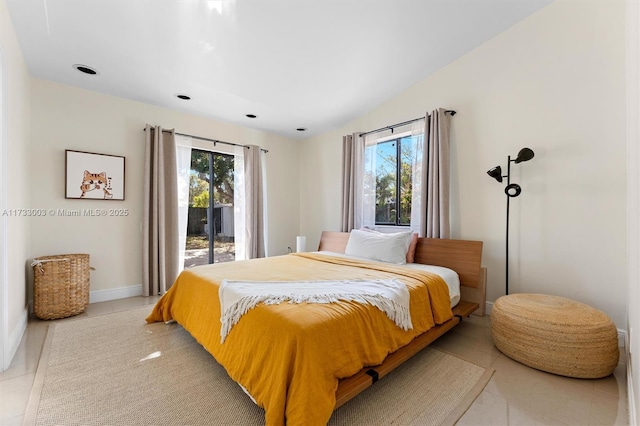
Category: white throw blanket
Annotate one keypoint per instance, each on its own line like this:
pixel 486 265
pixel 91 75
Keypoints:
pixel 238 297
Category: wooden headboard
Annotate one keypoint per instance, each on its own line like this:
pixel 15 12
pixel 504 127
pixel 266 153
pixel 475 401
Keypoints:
pixel 462 256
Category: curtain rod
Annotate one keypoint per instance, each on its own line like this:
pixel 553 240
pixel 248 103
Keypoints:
pixel 215 141
pixel 391 127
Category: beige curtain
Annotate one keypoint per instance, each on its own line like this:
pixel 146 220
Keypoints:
pixel 255 202
pixel 352 178
pixel 436 133
pixel 160 212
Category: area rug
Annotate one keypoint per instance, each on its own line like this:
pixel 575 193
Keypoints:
pixel 116 369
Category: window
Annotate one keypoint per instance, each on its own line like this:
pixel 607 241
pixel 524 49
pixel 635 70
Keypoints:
pixel 394 170
pixel 389 182
pixel 210 229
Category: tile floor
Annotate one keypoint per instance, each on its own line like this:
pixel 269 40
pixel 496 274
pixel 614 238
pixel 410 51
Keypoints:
pixel 516 394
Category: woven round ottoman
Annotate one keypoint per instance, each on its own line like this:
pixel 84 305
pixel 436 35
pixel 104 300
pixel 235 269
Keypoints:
pixel 555 334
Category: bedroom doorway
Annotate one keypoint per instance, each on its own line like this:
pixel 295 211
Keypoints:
pixel 210 229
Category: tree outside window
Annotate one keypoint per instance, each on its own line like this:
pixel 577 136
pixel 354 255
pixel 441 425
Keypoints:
pixel 210 227
pixel 394 159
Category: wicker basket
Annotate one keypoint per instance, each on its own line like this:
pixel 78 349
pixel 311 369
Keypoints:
pixel 61 285
pixel 555 334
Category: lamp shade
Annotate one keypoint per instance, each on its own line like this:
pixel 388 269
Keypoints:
pixel 525 154
pixel 301 244
pixel 496 173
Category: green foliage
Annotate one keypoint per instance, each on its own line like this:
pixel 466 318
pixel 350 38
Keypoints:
pixel 405 193
pixel 201 200
pixel 387 185
pixel 196 187
pixel 222 180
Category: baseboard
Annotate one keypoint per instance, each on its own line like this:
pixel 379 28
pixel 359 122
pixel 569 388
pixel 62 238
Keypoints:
pixel 115 293
pixel 631 400
pixel 622 338
pixel 106 295
pixel 15 337
pixel 100 296
pixel 488 307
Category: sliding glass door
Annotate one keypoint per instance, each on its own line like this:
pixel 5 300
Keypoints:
pixel 210 237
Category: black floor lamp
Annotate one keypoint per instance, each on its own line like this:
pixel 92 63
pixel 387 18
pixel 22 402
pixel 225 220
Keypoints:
pixel 512 190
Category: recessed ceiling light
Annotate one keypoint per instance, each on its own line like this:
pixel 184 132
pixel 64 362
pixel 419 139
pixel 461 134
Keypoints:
pixel 183 96
pixel 85 69
pixel 301 129
pixel 251 115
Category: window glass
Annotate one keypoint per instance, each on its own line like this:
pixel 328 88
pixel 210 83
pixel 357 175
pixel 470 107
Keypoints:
pixel 394 160
pixel 386 181
pixel 210 230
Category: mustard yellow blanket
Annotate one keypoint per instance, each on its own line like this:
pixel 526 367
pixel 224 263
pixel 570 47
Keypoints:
pixel 289 357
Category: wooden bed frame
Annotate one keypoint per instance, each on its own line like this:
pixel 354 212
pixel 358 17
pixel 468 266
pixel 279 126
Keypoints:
pixel 462 256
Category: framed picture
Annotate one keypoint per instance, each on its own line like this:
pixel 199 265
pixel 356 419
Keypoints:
pixel 91 176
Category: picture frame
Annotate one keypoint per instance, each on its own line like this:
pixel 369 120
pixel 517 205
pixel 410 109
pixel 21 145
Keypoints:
pixel 92 176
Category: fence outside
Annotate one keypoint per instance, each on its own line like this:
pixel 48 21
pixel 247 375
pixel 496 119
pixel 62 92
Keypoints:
pixel 222 221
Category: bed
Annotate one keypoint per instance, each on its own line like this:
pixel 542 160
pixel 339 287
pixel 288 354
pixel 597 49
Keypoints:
pixel 300 361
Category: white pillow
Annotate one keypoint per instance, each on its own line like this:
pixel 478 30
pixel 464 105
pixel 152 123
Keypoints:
pixel 390 248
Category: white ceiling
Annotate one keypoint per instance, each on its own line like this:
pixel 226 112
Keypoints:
pixel 293 63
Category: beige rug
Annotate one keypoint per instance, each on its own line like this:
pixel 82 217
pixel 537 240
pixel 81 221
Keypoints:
pixel 117 370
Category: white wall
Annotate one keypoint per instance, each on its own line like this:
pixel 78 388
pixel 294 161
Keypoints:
pixel 16 78
pixel 633 209
pixel 554 82
pixel 65 117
